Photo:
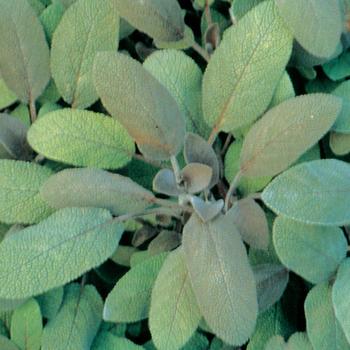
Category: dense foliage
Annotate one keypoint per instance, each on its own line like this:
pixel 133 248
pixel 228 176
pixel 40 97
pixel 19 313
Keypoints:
pixel 174 174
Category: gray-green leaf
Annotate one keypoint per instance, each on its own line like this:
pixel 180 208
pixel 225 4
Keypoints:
pixel 287 131
pixel 141 103
pixel 242 74
pixel 27 326
pixel 82 138
pixel 323 328
pixel 108 341
pixel 160 19
pixel 130 299
pixel 77 322
pixel 95 188
pixel 20 201
pixel 24 55
pixel 86 28
pixel 316 25
pixel 221 277
pixel 314 192
pixel 56 251
pixel 299 246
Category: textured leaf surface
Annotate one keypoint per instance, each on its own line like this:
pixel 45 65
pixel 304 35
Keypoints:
pixel 56 251
pixel 24 57
pixel 183 78
pixel 27 326
pixel 342 124
pixel 250 220
pixel 287 131
pixel 315 24
pixel 284 90
pixel 340 293
pixel 13 134
pixel 299 246
pixel 165 241
pixel 271 281
pixel 50 302
pixel 221 278
pixel 77 322
pixel 50 18
pixel 174 314
pixel 86 28
pixel 142 104
pixel 95 188
pixel 82 138
pixel 6 344
pixel 298 341
pixel 160 19
pixel 130 299
pixel 20 201
pixel 244 71
pixel 108 341
pixel 313 192
pixel 323 328
pixel 196 177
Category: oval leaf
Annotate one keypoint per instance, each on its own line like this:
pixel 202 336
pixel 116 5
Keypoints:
pixel 24 55
pixel 95 188
pixel 299 246
pixel 82 138
pixel 20 201
pixel 164 182
pixel 56 251
pixel 196 177
pixel 242 74
pixel 142 104
pixel 287 131
pixel 162 20
pixel 77 322
pixel 221 277
pixel 339 143
pixel 108 341
pixel 316 25
pixel 86 28
pixel 323 328
pixel 174 314
pixel 315 192
pixel 130 299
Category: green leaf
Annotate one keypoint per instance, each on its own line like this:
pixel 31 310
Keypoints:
pixel 197 150
pixel 160 19
pixel 314 192
pixel 95 188
pixel 27 326
pixel 342 123
pixel 250 220
pixel 56 251
pixel 340 293
pixel 271 322
pixel 50 302
pixel 86 28
pixel 77 322
pixel 13 138
pixel 183 78
pixel 10 304
pixel 20 201
pixel 221 277
pixel 242 74
pixel 284 90
pixel 51 17
pixel 299 245
pixel 7 97
pixel 108 341
pixel 298 341
pixel 82 138
pixel 287 131
pixel 7 344
pixel 164 242
pixel 323 328
pixel 240 8
pixel 338 68
pixel 197 177
pixel 185 43
pixel 130 299
pixel 271 282
pixel 156 124
pixel 24 56
pixel 174 314
pixel 319 27
pixel 339 143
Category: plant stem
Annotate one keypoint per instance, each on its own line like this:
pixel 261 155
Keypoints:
pixel 208 13
pixel 173 205
pixel 226 144
pixel 213 135
pixel 232 188
pixel 176 168
pixel 254 195
pixel 199 49
pixel 32 110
